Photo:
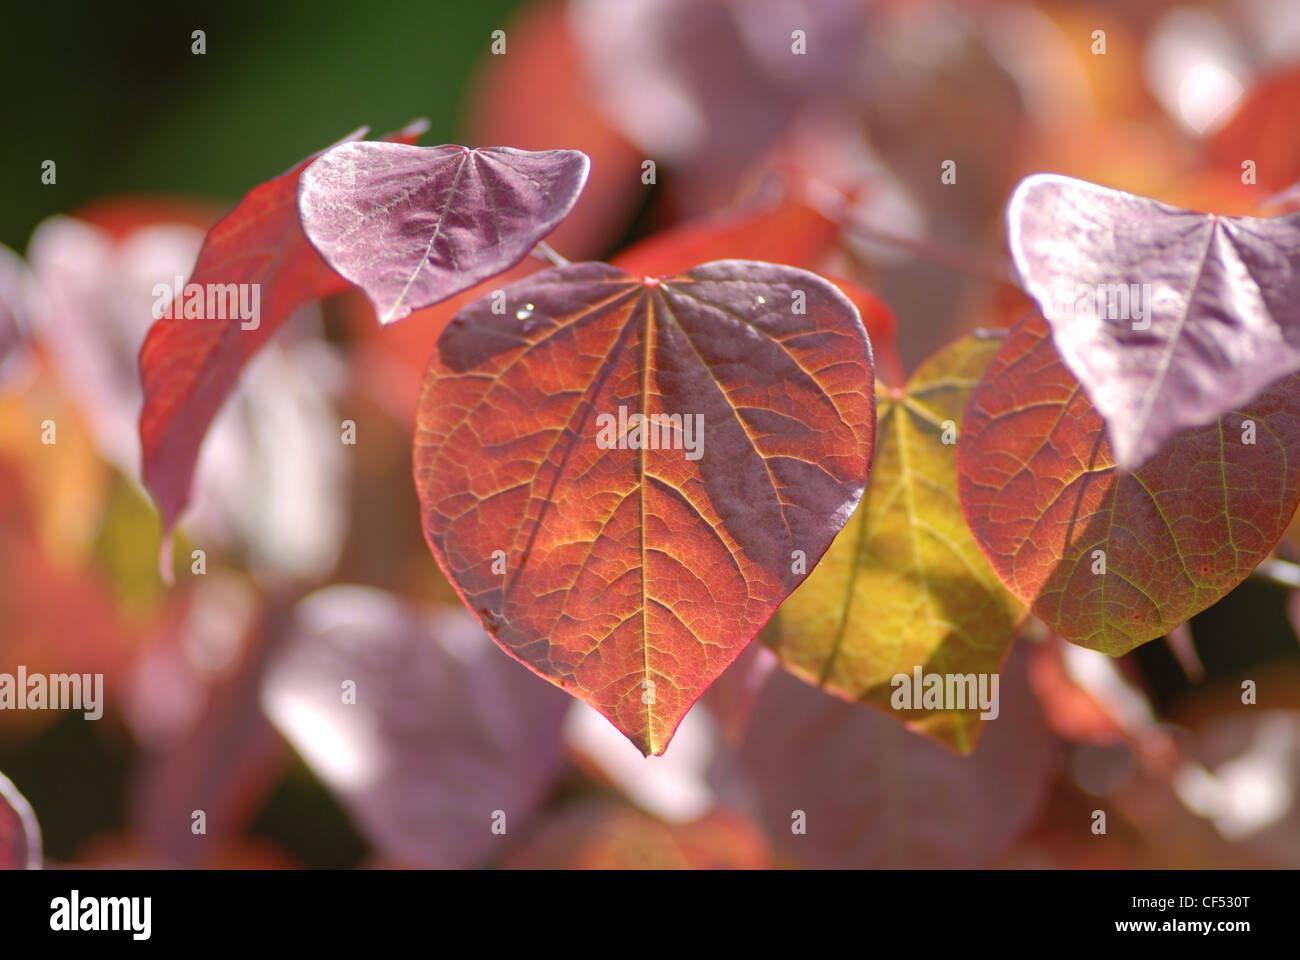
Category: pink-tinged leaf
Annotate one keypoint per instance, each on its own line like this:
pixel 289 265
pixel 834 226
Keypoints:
pixel 20 835
pixel 874 795
pixel 1168 318
pixel 632 571
pixel 188 365
pixel 412 226
pixel 416 723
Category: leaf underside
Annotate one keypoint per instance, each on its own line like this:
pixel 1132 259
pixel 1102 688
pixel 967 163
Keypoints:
pixel 1168 318
pixel 412 226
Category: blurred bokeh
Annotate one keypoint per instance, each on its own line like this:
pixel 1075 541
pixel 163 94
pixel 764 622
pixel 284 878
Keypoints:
pixel 222 692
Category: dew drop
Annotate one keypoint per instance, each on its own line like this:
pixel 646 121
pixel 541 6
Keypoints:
pixel 524 312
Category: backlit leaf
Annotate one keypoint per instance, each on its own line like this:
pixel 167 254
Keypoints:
pixel 1111 559
pixel 790 230
pixel 633 577
pixel 905 584
pixel 1168 318
pixel 414 225
pixel 188 365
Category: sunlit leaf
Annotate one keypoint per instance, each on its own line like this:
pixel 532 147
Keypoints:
pixel 1168 318
pixel 188 365
pixel 414 225
pixel 631 570
pixel 1111 559
pixel 905 584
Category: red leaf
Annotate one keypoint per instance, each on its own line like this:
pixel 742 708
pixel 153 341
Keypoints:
pixel 188 366
pixel 1111 559
pixel 1263 129
pixel 631 572
pixel 411 226
pixel 790 231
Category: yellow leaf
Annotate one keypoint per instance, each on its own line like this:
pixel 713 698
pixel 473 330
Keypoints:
pixel 904 585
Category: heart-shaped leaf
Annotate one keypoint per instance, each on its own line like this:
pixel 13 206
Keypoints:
pixel 1111 559
pixel 623 477
pixel 905 585
pixel 189 364
pixel 414 225
pixel 790 230
pixel 1168 318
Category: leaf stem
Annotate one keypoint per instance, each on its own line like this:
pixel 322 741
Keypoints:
pixel 544 251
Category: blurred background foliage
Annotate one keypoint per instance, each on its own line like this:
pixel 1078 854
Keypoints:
pixel 117 98
pixel 215 689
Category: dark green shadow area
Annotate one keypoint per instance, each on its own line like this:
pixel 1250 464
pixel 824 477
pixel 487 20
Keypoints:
pixel 113 94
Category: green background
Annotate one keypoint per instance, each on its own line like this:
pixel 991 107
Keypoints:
pixel 112 93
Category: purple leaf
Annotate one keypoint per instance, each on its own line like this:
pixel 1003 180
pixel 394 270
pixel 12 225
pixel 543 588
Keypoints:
pixel 1168 318
pixel 20 836
pixel 413 226
pixel 416 722
pixel 875 795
